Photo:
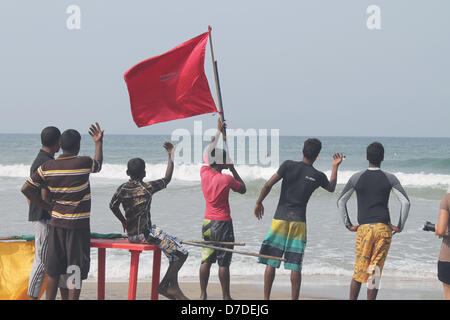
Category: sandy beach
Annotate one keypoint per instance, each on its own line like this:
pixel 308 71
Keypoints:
pixel 119 291
pixel 313 288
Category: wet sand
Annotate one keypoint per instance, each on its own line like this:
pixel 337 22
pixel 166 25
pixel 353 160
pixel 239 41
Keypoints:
pixel 313 288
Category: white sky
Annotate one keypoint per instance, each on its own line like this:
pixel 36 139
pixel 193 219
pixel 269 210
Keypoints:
pixel 304 67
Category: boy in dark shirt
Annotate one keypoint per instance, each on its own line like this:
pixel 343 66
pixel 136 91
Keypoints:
pixel 287 235
pixel 136 197
pixel 39 216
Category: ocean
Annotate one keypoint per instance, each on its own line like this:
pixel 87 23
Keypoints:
pixel 421 164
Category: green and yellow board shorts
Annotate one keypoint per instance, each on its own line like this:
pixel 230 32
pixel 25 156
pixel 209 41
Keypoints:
pixel 213 230
pixel 372 246
pixel 285 239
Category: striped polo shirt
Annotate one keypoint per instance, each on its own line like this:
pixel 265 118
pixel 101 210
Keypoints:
pixel 67 178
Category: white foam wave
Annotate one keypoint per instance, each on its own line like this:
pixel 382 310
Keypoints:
pixel 119 264
pixel 191 173
pixel 183 172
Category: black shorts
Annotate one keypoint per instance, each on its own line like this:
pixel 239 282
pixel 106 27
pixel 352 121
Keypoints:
pixel 444 271
pixel 68 248
pixel 217 231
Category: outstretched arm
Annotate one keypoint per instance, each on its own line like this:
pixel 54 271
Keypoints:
pixel 259 208
pixel 337 160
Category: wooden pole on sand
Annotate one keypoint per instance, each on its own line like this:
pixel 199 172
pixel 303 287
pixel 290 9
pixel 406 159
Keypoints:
pixel 217 243
pixel 234 251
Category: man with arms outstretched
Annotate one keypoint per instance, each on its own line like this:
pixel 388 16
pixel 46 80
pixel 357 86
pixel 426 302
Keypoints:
pixel 374 230
pixel 287 235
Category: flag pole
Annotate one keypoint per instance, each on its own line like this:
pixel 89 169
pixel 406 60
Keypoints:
pixel 216 78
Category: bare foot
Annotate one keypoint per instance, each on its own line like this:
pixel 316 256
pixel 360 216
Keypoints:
pixel 176 293
pixel 164 292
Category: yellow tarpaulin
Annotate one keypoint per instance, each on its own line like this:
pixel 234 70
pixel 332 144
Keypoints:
pixel 16 259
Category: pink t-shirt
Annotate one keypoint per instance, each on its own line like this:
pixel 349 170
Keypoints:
pixel 216 188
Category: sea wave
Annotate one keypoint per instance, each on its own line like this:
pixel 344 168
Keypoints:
pixel 191 173
pixel 118 269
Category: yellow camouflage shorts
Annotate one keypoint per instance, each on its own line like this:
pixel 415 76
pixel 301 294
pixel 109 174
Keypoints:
pixel 372 246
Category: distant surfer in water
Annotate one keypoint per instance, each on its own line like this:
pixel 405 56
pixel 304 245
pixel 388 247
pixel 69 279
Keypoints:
pixel 217 223
pixel 374 230
pixel 136 197
pixel 287 235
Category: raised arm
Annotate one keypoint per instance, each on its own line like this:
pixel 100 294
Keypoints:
pixel 337 160
pixel 220 126
pixel 97 135
pixel 259 208
pixel 169 171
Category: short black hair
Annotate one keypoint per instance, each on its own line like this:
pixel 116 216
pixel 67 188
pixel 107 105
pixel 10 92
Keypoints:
pixel 375 153
pixel 70 140
pixel 136 168
pixel 50 136
pixel 311 148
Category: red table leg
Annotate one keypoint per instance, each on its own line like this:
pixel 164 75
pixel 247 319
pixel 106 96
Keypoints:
pixel 101 274
pixel 156 272
pixel 133 274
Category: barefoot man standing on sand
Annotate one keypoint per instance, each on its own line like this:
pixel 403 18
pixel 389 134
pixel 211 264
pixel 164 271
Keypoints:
pixel 374 230
pixel 40 217
pixel 136 198
pixel 67 178
pixel 287 235
pixel 217 225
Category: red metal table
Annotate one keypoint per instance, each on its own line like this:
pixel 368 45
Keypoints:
pixel 135 250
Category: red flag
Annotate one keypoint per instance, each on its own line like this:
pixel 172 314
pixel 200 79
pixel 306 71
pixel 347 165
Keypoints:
pixel 172 85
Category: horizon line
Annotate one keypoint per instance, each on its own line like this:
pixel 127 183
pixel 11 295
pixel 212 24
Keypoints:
pixel 320 136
